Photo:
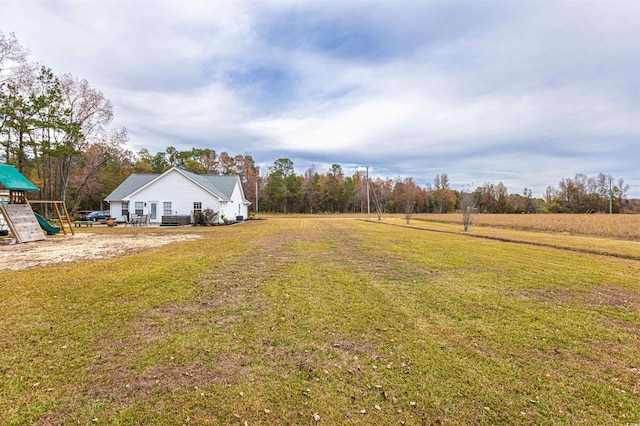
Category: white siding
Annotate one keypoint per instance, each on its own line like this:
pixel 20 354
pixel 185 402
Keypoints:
pixel 235 207
pixel 239 208
pixel 182 193
pixel 173 187
pixel 115 207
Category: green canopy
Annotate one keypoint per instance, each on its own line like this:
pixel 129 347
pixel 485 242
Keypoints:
pixel 13 180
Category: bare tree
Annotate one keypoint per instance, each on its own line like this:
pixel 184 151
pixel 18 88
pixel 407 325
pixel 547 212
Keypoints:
pixel 467 205
pixel 381 192
pixel 89 111
pixel 409 197
pixel 12 57
pixel 409 204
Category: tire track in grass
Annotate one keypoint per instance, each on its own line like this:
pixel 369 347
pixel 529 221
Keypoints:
pixel 154 354
pixel 511 240
pixel 563 365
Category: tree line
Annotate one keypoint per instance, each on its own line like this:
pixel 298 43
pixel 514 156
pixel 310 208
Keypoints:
pixel 284 191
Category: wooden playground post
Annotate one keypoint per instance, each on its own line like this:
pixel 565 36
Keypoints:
pixel 62 206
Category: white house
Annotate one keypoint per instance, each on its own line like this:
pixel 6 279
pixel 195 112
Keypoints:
pixel 177 192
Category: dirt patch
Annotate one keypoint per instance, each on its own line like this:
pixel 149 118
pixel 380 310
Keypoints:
pixel 123 385
pixel 614 297
pixel 73 248
pixel 605 296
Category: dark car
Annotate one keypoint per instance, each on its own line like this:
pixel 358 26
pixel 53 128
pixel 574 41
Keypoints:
pixel 97 216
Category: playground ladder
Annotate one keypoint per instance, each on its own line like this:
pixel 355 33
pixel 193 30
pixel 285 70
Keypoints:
pixel 60 208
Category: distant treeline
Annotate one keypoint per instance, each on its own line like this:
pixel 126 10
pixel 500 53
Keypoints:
pixel 284 191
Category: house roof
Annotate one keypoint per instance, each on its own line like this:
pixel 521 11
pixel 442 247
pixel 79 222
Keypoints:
pixel 13 180
pixel 220 186
pixel 129 186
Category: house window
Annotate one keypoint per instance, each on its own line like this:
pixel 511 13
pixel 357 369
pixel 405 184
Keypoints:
pixel 139 207
pixel 125 209
pixel 197 206
pixel 166 208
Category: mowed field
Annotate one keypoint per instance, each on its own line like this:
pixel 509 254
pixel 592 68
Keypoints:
pixel 327 321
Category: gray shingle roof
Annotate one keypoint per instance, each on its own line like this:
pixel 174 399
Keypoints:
pixel 222 186
pixel 130 184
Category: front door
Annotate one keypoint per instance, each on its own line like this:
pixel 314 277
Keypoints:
pixel 153 211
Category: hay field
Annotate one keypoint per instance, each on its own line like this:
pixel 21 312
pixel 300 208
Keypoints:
pixel 626 226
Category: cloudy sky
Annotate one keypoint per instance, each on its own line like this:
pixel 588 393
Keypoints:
pixel 523 92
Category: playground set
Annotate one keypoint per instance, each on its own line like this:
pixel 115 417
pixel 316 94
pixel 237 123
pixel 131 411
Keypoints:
pixel 16 213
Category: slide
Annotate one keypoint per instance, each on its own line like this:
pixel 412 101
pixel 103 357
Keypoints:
pixel 51 230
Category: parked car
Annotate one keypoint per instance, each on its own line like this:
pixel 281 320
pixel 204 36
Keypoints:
pixel 97 216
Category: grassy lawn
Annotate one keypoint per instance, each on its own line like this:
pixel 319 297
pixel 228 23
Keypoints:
pixel 306 321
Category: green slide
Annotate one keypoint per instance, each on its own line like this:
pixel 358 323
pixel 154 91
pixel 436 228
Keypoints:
pixel 51 230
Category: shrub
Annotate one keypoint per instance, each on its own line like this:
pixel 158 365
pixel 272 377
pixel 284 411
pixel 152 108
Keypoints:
pixel 205 217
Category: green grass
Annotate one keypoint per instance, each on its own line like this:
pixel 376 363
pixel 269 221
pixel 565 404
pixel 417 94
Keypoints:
pixel 274 321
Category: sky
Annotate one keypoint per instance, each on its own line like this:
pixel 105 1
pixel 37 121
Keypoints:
pixel 521 92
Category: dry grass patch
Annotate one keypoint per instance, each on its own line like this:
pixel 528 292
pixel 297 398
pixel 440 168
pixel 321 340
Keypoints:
pixel 625 226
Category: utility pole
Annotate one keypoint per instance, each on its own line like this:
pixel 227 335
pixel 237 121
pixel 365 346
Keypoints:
pixel 256 197
pixel 368 202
